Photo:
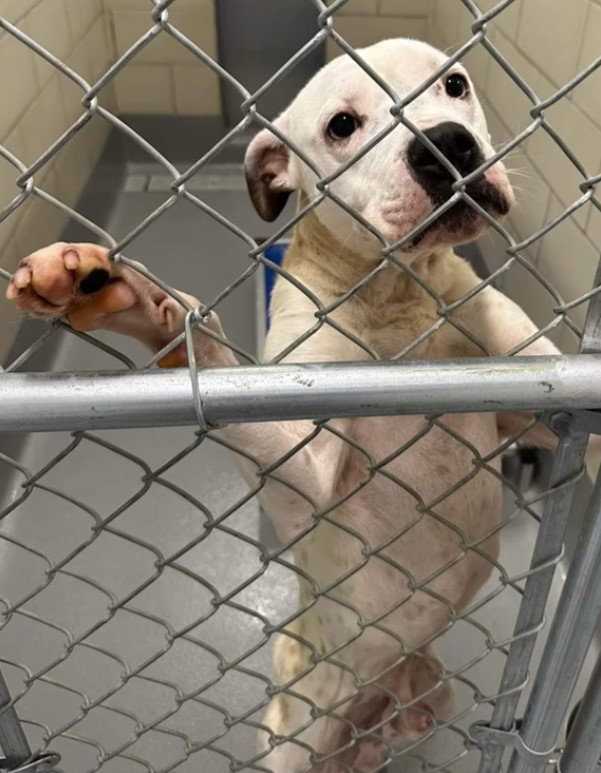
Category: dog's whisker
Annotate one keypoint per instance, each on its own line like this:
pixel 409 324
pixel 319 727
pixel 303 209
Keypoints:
pixel 522 171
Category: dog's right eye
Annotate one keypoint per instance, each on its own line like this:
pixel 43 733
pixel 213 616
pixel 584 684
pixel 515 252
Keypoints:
pixel 342 126
pixel 456 85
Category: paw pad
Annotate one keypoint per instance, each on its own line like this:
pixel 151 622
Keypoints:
pixel 94 281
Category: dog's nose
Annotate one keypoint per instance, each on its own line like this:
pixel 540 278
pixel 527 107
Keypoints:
pixel 455 143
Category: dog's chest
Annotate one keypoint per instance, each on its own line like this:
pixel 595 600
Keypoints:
pixel 392 324
pixel 389 327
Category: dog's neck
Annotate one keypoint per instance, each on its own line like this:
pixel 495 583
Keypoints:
pixel 341 268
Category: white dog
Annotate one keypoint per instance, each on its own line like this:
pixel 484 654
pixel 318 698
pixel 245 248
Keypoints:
pixel 392 556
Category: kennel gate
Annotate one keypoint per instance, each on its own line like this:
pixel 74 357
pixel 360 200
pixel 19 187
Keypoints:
pixel 564 390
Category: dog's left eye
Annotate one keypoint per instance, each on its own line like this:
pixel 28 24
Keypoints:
pixel 342 126
pixel 457 85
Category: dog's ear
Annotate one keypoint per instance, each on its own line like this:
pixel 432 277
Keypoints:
pixel 266 166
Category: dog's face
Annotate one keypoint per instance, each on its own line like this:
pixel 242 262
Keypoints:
pixel 398 182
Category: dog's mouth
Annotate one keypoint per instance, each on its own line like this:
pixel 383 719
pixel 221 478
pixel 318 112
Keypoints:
pixel 462 222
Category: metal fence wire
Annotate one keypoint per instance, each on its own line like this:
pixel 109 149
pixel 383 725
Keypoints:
pixel 129 681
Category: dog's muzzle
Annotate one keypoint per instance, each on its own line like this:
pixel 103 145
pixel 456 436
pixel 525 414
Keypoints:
pixel 459 147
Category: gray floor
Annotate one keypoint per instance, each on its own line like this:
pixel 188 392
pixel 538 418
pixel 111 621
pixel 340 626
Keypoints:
pixel 154 522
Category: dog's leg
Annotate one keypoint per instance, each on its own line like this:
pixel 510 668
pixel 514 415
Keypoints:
pixel 502 326
pixel 297 732
pixel 78 282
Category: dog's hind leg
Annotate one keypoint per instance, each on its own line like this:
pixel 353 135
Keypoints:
pixel 320 720
pixel 305 715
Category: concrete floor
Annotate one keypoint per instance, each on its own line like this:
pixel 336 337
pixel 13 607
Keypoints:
pixel 154 522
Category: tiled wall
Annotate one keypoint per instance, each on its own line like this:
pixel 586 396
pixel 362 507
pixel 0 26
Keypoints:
pixel 363 22
pixel 165 78
pixel 548 42
pixel 38 105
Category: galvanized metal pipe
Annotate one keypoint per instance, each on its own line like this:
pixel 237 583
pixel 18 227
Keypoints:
pixel 38 402
pixel 583 748
pixel 568 461
pixel 13 742
pixel 570 635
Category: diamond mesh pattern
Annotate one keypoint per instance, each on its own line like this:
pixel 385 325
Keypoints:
pixel 94 671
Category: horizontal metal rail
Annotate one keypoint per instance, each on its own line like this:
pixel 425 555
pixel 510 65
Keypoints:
pixel 40 402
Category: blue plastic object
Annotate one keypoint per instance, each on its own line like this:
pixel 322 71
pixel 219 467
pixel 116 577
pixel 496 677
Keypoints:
pixel 275 254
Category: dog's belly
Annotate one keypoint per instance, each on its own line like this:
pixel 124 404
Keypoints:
pixel 404 552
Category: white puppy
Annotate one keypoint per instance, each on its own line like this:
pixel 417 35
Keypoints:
pixel 388 556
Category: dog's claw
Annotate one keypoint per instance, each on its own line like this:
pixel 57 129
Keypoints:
pixel 71 259
pixel 22 277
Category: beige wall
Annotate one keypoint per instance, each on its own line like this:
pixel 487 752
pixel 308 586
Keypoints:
pixel 363 22
pixel 38 105
pixel 548 42
pixel 165 78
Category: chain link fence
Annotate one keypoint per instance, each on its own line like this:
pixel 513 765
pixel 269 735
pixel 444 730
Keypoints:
pixel 142 684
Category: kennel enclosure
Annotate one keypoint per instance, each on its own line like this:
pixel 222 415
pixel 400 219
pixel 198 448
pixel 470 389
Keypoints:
pixel 161 684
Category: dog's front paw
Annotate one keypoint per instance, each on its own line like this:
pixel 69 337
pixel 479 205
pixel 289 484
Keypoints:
pixel 80 284
pixel 62 279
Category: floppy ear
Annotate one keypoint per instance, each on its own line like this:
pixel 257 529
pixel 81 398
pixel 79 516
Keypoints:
pixel 266 166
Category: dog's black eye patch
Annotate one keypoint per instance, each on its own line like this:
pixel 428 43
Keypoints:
pixel 342 126
pixel 457 86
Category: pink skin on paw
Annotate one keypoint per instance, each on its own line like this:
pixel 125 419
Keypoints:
pixel 22 277
pixel 48 278
pixel 47 283
pixel 71 259
pixel 20 281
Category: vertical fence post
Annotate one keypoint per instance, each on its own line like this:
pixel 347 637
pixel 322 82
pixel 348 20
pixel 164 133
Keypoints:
pixel 13 742
pixel 569 460
pixel 14 745
pixel 568 463
pixel 583 748
pixel 570 636
pixel 576 616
